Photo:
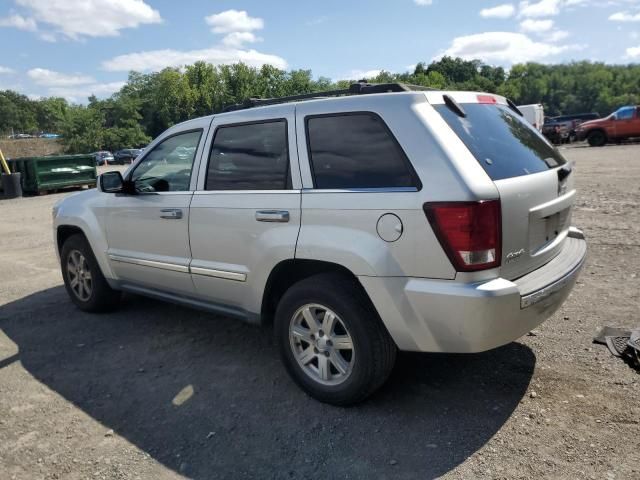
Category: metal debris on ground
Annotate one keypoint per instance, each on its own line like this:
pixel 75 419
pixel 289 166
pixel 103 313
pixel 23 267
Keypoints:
pixel 621 343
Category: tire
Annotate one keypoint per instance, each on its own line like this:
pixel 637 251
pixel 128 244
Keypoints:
pixel 348 375
pixel 597 138
pixel 83 279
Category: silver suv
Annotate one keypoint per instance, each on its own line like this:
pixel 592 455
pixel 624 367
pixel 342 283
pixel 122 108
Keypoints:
pixel 373 220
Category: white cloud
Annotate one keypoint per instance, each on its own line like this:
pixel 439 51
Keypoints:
pixel 423 3
pixel 499 11
pixel 549 8
pixel 49 78
pixel 625 17
pixel 19 22
pixel 536 26
pixel 81 93
pixel 231 21
pixel 543 8
pixel 361 74
pixel 92 18
pixel 238 39
pixel 504 48
pixel 48 37
pixel 6 70
pixel 633 52
pixel 237 25
pixel 556 36
pixel 154 60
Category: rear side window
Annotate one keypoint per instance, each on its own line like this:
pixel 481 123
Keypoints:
pixel 356 151
pixel 503 142
pixel 251 156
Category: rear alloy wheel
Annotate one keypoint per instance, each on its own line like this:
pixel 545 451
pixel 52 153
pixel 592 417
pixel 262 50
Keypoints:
pixel 331 339
pixel 321 344
pixel 597 138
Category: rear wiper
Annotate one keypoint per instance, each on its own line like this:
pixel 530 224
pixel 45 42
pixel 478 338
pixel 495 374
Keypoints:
pixel 454 106
pixel 513 107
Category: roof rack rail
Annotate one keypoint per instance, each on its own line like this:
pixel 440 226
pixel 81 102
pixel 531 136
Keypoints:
pixel 360 88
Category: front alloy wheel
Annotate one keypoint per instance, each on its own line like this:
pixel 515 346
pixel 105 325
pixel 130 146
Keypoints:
pixel 79 273
pixel 83 279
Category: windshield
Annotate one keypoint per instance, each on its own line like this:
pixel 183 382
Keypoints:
pixel 503 142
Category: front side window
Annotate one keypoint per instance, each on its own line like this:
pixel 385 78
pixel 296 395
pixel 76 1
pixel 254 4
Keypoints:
pixel 625 113
pixel 252 156
pixel 167 168
pixel 356 151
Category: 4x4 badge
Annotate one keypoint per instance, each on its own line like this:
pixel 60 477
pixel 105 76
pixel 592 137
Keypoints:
pixel 512 256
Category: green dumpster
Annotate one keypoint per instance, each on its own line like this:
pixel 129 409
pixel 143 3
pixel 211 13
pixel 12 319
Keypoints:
pixel 41 174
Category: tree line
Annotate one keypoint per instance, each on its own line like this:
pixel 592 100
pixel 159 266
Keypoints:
pixel 150 103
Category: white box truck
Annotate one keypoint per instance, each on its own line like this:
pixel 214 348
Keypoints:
pixel 534 114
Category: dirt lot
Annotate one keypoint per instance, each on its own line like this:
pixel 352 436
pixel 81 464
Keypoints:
pixel 158 391
pixel 30 147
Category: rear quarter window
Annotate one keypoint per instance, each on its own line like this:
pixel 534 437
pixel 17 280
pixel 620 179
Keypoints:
pixel 501 141
pixel 356 151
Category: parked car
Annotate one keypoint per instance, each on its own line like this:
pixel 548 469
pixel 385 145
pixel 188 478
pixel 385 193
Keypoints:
pixel 622 124
pixel 358 225
pixel 126 155
pixel 49 135
pixel 562 129
pixel 103 158
pixel 534 114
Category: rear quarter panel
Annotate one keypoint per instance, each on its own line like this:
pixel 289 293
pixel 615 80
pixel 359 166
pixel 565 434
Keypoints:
pixel 340 226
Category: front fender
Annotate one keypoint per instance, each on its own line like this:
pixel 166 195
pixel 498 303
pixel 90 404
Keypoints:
pixel 85 211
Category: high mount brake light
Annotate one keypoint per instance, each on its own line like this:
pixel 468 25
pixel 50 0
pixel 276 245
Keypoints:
pixel 486 99
pixel 469 232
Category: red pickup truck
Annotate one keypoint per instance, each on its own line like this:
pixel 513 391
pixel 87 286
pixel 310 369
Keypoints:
pixel 622 124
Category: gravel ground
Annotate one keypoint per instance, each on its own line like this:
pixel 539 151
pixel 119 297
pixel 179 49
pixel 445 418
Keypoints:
pixel 158 391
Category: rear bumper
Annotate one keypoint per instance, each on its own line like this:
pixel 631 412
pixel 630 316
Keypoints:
pixel 447 316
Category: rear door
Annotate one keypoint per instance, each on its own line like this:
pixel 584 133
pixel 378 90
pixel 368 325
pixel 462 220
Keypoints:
pixel 534 181
pixel 245 215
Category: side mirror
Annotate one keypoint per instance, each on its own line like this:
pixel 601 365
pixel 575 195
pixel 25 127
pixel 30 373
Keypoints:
pixel 111 182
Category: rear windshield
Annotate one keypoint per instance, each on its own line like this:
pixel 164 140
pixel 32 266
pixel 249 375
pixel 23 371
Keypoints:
pixel 503 142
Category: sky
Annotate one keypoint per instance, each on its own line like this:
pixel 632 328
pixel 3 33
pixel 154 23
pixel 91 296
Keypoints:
pixel 76 48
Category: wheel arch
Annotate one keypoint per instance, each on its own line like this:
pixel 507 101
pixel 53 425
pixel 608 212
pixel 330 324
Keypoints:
pixel 63 232
pixel 65 229
pixel 288 272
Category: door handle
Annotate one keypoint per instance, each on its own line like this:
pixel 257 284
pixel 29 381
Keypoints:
pixel 171 213
pixel 281 216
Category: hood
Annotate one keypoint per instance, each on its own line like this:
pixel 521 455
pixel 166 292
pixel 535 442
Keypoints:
pixel 590 123
pixel 81 196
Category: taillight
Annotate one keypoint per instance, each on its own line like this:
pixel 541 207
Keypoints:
pixel 469 232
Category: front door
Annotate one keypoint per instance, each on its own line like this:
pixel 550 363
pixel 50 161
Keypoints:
pixel 245 214
pixel 148 232
pixel 627 122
